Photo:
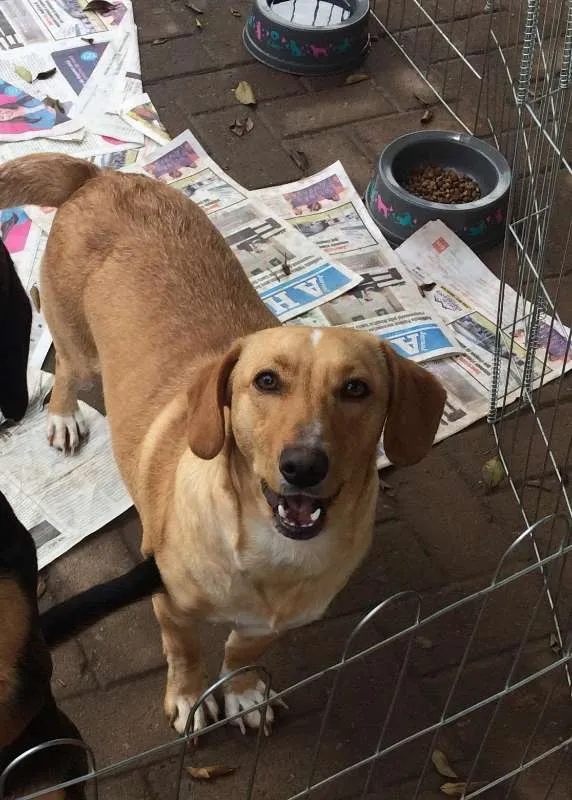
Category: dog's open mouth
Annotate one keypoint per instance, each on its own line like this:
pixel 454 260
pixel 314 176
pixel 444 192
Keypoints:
pixel 297 516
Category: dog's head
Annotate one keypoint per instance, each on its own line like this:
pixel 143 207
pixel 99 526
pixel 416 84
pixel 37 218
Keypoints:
pixel 307 409
pixel 15 326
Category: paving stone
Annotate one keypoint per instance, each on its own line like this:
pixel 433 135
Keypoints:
pixel 195 94
pixel 327 109
pixel 72 673
pixel 376 133
pixel 126 787
pixel 124 720
pixel 254 160
pixel 220 29
pixel 178 56
pixel 327 147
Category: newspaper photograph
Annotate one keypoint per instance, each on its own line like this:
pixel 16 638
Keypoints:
pixel 290 274
pixel 415 336
pixel 140 113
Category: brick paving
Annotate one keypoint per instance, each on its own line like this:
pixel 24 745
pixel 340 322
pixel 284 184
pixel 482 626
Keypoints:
pixel 438 532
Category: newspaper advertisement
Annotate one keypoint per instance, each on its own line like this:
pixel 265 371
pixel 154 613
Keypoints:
pixel 290 274
pixel 26 22
pixel 326 209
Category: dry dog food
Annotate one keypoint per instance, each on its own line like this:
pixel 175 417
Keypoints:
pixel 442 185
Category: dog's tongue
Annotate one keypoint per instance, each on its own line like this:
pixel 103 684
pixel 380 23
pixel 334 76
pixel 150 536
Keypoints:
pixel 299 509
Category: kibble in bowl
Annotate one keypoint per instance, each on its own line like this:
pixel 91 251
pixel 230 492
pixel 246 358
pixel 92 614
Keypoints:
pixel 442 185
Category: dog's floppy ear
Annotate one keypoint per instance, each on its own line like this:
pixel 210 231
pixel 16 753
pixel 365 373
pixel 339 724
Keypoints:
pixel 207 398
pixel 416 405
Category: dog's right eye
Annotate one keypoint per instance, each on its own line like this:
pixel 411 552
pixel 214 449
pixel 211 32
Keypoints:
pixel 267 381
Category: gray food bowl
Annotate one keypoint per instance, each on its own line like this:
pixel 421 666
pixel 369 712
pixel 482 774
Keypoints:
pixel 308 37
pixel 398 213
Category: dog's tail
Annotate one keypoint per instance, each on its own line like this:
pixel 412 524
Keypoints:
pixel 43 179
pixel 72 616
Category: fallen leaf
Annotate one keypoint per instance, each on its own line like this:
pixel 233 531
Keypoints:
pixel 87 39
pixel 195 9
pixel 458 789
pixel 24 73
pixel 427 117
pixel 159 41
pixel 454 789
pixel 207 773
pixel 493 473
pixel 237 127
pixel 442 765
pixel 53 102
pixel 248 124
pixel 35 295
pixel 357 77
pixel 300 158
pixel 42 586
pixel 198 23
pixel 99 6
pixel 244 93
pixel 235 12
pixel 426 287
pixel 555 645
pixel 43 76
pixel 286 268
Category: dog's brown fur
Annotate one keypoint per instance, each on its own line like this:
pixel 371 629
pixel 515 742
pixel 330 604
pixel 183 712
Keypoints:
pixel 137 283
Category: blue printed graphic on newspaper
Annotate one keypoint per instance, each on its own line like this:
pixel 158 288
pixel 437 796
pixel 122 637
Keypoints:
pixel 414 335
pixel 308 289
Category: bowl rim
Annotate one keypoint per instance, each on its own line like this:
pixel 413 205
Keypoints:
pixel 361 11
pixel 394 148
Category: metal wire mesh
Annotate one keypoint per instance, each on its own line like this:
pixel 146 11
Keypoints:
pixel 508 740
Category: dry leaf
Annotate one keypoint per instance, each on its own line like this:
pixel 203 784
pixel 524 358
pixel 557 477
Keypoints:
pixel 207 773
pixel 87 39
pixel 427 117
pixel 198 23
pixel 41 587
pixel 244 93
pixel 493 473
pixel 24 73
pixel 159 41
pixel 53 102
pixel 458 789
pixel 43 76
pixel 454 789
pixel 35 295
pixel 235 12
pixel 555 645
pixel 248 124
pixel 300 158
pixel 99 6
pixel 357 77
pixel 237 127
pixel 426 287
pixel 442 765
pixel 195 8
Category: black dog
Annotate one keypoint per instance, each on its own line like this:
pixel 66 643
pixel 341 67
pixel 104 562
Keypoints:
pixel 29 715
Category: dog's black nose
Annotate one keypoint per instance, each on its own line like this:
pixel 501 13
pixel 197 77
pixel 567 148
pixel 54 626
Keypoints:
pixel 303 466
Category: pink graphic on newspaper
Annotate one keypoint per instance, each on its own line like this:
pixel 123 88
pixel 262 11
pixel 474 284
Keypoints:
pixel 15 227
pixel 25 117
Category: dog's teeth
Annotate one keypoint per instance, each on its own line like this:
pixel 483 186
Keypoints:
pixel 281 511
pixel 315 514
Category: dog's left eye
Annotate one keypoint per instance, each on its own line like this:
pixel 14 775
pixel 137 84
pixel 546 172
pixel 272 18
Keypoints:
pixel 355 389
pixel 267 381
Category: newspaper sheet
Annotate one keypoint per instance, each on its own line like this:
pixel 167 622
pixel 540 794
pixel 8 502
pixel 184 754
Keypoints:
pixel 290 274
pixel 327 210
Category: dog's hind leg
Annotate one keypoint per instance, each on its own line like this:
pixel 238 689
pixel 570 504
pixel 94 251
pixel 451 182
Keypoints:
pixel 76 355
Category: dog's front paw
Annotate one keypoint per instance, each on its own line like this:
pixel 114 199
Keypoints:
pixel 66 433
pixel 178 707
pixel 242 700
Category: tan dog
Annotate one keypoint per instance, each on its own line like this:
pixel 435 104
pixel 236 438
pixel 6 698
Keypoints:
pixel 249 449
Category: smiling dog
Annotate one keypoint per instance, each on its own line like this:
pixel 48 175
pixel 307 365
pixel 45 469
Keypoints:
pixel 249 448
